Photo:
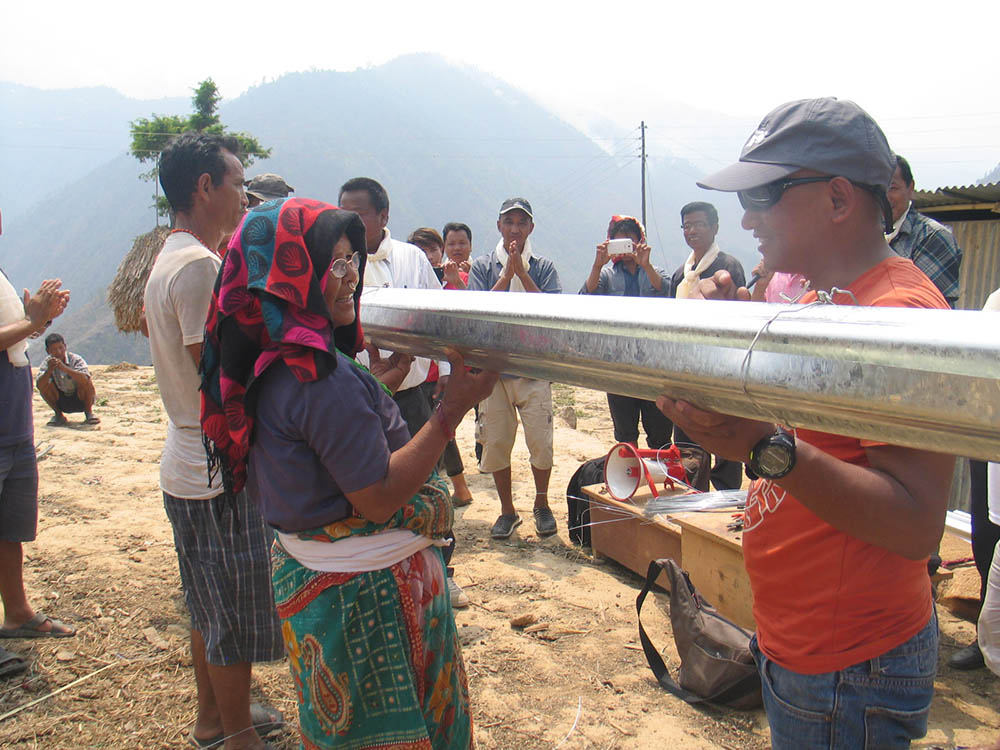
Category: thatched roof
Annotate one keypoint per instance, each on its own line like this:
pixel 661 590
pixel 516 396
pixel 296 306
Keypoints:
pixel 126 291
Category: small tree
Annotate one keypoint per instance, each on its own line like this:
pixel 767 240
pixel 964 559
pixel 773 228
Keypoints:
pixel 151 135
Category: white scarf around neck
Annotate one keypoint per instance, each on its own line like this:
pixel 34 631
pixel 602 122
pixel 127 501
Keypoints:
pixel 377 270
pixel 898 224
pixel 11 311
pixel 692 273
pixel 503 257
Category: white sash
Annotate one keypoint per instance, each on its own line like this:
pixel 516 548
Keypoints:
pixel 11 311
pixel 377 270
pixel 693 273
pixel 503 257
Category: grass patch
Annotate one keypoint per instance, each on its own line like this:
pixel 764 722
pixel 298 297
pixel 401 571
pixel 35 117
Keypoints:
pixel 563 395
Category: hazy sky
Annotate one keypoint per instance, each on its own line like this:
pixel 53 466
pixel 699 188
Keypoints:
pixel 926 71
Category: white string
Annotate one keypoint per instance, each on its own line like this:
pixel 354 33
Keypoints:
pixel 822 298
pixel 579 709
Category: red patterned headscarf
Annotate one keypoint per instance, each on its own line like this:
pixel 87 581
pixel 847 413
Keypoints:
pixel 268 305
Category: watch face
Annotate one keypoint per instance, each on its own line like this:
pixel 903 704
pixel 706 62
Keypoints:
pixel 774 459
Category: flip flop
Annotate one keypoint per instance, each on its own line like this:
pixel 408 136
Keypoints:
pixel 30 629
pixel 57 421
pixel 266 720
pixel 11 663
pixel 92 420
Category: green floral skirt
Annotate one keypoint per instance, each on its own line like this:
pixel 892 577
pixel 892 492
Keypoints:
pixel 374 656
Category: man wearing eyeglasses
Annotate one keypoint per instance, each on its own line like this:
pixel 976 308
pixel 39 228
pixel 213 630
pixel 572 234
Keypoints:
pixel 700 223
pixel 837 530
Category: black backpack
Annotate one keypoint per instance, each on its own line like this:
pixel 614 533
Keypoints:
pixel 590 472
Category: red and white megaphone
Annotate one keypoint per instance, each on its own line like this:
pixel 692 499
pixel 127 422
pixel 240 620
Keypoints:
pixel 626 467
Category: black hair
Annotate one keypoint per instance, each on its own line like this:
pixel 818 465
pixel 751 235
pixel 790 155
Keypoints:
pixel 629 225
pixel 707 208
pixel 904 169
pixel 456 226
pixel 425 236
pixel 186 158
pixel 376 193
pixel 53 338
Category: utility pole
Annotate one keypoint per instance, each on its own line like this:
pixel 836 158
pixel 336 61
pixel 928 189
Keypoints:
pixel 642 130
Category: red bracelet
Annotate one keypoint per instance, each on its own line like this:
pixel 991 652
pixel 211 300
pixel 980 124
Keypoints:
pixel 443 422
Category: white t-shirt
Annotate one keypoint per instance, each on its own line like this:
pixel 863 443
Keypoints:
pixel 404 267
pixel 993 470
pixel 178 295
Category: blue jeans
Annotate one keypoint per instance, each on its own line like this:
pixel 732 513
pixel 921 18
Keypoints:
pixel 879 703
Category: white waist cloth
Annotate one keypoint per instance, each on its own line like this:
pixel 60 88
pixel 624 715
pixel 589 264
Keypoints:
pixel 357 554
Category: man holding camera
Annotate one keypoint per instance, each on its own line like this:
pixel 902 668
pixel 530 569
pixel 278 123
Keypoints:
pixel 513 267
pixel 630 275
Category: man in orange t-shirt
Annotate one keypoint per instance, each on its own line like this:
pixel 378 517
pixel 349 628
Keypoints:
pixel 838 530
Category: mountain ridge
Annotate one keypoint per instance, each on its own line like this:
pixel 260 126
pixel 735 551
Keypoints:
pixel 448 142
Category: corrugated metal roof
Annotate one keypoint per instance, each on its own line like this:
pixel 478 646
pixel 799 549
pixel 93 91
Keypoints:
pixel 957 196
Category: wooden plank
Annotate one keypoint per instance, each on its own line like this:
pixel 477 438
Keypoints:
pixel 621 532
pixel 713 557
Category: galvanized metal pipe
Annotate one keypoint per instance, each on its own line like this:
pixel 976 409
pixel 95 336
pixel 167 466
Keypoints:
pixel 922 378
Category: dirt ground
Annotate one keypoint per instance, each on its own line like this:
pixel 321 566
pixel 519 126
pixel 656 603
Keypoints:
pixel 104 561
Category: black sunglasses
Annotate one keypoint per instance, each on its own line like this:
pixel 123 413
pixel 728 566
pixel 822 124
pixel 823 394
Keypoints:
pixel 762 197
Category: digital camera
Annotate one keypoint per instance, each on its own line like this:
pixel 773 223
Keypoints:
pixel 621 247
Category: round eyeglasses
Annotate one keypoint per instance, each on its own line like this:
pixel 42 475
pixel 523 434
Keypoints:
pixel 338 269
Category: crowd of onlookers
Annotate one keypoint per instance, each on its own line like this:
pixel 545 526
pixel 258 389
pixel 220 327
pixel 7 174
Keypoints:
pixel 323 528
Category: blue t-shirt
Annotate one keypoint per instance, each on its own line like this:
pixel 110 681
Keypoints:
pixel 16 425
pixel 315 441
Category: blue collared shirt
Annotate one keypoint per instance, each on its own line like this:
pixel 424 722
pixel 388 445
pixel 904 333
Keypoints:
pixel 615 281
pixel 486 269
pixel 932 248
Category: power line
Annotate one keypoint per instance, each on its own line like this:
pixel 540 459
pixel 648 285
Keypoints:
pixel 586 170
pixel 656 224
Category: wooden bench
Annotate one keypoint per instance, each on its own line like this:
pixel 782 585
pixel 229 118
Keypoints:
pixel 699 542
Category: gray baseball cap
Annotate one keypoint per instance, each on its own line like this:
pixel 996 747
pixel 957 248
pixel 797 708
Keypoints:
pixel 518 204
pixel 832 136
pixel 268 187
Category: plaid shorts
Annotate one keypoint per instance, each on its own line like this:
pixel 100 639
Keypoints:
pixel 225 571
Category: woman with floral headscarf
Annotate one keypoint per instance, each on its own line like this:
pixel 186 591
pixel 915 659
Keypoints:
pixel 357 508
pixel 630 275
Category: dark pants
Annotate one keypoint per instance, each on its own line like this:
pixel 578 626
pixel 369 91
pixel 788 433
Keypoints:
pixel 985 534
pixel 416 415
pixel 726 475
pixel 625 414
pixel 415 407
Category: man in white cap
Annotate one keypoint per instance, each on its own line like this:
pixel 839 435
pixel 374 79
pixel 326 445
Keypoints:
pixel 513 267
pixel 837 530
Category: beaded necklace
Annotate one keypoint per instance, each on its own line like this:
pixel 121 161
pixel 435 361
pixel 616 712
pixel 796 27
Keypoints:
pixel 188 231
